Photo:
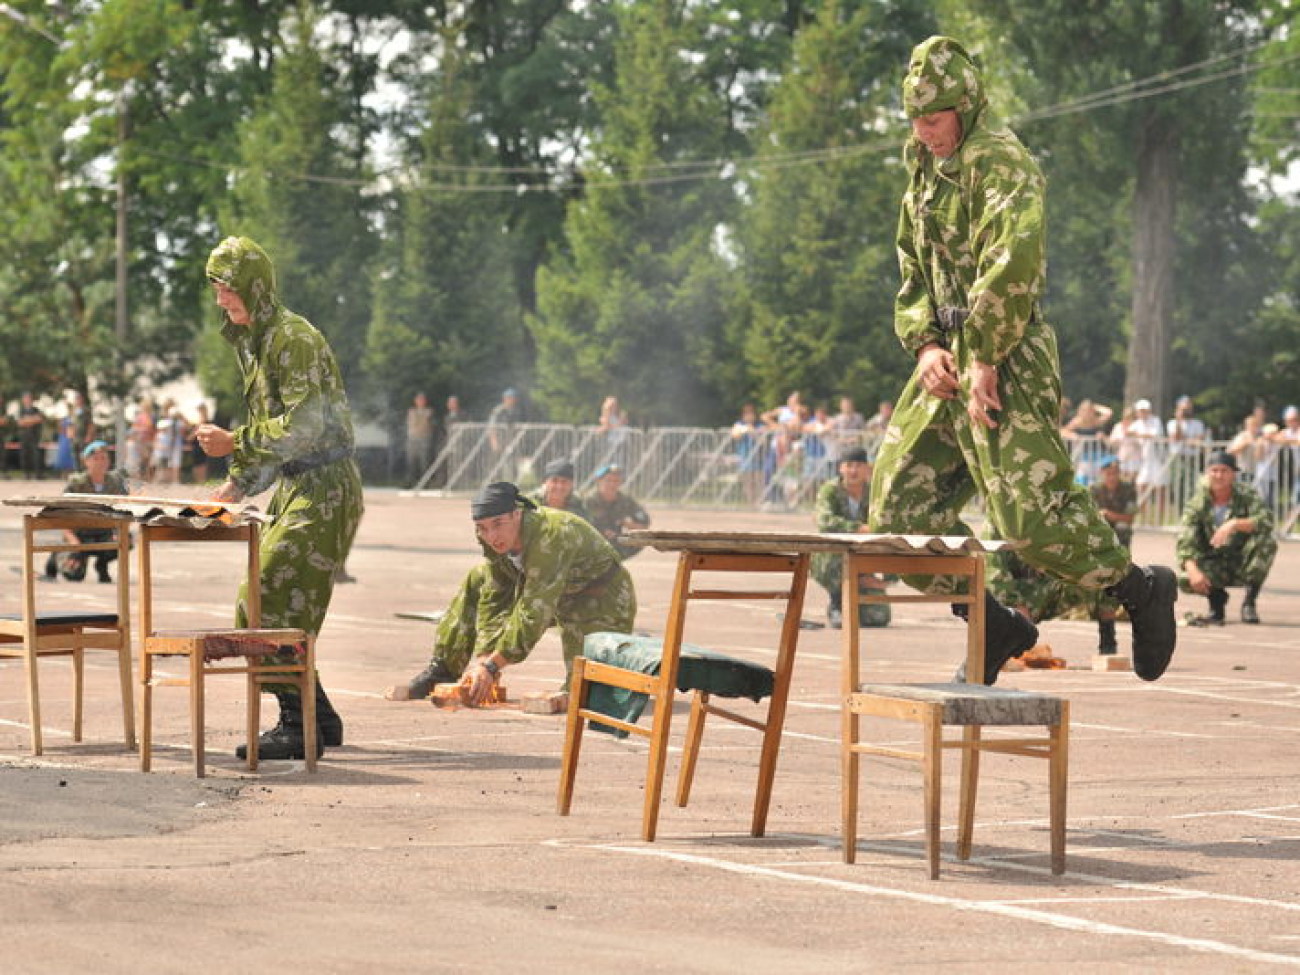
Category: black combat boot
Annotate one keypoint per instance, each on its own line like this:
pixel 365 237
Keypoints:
pixel 1218 600
pixel 1149 594
pixel 285 740
pixel 1106 642
pixel 1248 612
pixel 329 726
pixel 421 685
pixel 1007 634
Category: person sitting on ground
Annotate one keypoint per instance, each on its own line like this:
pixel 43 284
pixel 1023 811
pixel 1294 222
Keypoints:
pixel 842 506
pixel 95 479
pixel 556 490
pixel 543 567
pixel 1226 540
pixel 613 512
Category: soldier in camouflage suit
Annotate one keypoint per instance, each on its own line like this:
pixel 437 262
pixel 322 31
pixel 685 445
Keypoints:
pixel 842 506
pixel 298 436
pixel 545 567
pixel 980 411
pixel 613 512
pixel 1226 540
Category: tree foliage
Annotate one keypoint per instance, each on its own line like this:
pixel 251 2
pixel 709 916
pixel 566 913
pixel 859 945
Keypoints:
pixel 685 204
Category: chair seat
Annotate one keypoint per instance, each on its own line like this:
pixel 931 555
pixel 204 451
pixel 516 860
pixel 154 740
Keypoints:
pixel 698 670
pixel 225 644
pixel 66 619
pixel 975 704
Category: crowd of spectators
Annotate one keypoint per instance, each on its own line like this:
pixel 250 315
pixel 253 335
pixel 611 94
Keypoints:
pixel 46 438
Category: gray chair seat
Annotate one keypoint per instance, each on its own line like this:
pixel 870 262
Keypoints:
pixel 968 704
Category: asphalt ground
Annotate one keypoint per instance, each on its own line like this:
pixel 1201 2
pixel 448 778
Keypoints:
pixel 430 840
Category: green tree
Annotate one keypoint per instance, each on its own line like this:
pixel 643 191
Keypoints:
pixel 625 311
pixel 300 188
pixel 447 318
pixel 818 241
pixel 1181 141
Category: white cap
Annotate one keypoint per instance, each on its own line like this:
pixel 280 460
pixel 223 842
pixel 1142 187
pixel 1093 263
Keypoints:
pixel 1142 404
pixel 1290 411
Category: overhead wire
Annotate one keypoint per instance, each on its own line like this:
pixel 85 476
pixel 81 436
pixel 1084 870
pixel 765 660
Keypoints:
pixel 669 172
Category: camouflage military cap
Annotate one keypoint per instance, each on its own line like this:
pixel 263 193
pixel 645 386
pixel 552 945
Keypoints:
pixel 941 75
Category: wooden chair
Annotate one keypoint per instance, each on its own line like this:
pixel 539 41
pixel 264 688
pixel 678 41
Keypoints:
pixel 36 633
pixel 222 651
pixel 970 706
pixel 662 686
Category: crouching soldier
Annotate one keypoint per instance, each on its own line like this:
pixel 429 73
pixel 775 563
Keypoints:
pixel 544 567
pixel 1226 540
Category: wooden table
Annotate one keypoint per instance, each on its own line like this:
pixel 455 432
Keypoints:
pixel 862 553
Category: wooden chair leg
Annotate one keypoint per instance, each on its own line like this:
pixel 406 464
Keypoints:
pixel 146 712
pixel 307 687
pixel 849 760
pixel 78 690
pixel 1059 763
pixel 654 780
pixel 691 747
pixel 197 716
pixel 573 727
pixel 933 765
pixel 33 698
pixel 252 717
pixel 128 694
pixel 970 777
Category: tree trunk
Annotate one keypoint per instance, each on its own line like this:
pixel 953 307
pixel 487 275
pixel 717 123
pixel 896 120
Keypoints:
pixel 1154 205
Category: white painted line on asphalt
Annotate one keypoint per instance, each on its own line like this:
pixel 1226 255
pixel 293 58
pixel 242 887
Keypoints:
pixel 1007 910
pixel 1261 812
pixel 1258 702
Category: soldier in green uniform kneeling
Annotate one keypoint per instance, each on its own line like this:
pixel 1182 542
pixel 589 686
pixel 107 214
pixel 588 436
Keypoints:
pixel 543 568
pixel 1227 540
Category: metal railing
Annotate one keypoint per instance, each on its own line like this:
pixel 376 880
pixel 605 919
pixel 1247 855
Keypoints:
pixel 771 470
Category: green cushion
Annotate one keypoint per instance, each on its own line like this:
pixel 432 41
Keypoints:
pixel 699 669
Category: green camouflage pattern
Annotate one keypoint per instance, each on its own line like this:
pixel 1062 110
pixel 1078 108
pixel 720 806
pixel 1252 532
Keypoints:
pixel 1246 559
pixel 571 578
pixel 609 517
pixel 833 512
pixel 575 505
pixel 971 236
pixel 297 411
pixel 942 75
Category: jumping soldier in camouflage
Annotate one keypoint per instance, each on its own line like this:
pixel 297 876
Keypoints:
pixel 544 567
pixel 298 437
pixel 981 410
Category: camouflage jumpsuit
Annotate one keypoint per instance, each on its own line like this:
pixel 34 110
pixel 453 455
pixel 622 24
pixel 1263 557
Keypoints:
pixel 1247 557
pixel 971 250
pixel 571 578
pixel 298 436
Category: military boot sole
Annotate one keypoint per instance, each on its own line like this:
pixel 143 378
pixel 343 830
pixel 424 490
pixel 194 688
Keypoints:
pixel 1155 630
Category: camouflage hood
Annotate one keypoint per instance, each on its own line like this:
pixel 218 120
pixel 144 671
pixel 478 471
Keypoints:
pixel 241 265
pixel 941 74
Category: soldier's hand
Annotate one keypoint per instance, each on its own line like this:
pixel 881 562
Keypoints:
pixel 477 683
pixel 216 441
pixel 937 370
pixel 984 400
pixel 1197 581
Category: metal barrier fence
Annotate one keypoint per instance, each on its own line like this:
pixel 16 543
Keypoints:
pixel 769 470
